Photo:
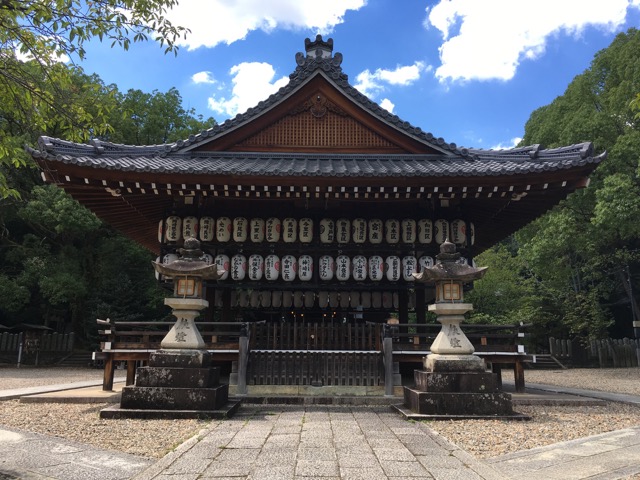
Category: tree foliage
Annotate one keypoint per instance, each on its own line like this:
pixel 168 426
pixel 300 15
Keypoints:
pixel 38 92
pixel 584 256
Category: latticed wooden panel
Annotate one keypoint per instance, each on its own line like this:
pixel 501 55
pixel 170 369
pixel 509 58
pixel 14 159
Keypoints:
pixel 307 130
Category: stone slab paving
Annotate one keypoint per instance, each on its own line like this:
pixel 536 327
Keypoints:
pixel 605 456
pixel 32 456
pixel 306 443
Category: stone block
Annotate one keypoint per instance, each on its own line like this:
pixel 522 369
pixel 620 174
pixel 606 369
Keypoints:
pixel 166 398
pixel 180 358
pixel 454 363
pixel 437 403
pixel 465 382
pixel 177 377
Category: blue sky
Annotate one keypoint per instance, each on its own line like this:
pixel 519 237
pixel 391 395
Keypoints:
pixel 470 71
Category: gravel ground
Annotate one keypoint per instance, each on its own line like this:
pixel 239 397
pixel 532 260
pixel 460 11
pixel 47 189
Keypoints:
pixel 483 438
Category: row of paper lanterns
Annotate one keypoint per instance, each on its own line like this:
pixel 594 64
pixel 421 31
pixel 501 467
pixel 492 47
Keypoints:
pixel 341 268
pixel 309 299
pixel 291 230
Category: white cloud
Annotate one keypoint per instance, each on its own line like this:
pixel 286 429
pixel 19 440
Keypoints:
pixel 487 39
pixel 53 57
pixel 370 84
pixel 203 77
pixel 510 144
pixel 387 105
pixel 252 82
pixel 224 21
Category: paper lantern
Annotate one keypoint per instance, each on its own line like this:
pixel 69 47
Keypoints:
pixel 157 273
pixel 309 299
pixel 240 229
pixel 287 299
pixel 323 299
pixel 238 267
pixel 472 233
pixel 289 266
pixel 234 298
pixel 265 299
pixel 243 298
pixel 409 267
pixel 305 226
pixel 334 299
pixel 425 231
pixel 359 268
pixel 458 232
pixel 223 229
pixel 207 228
pixel 173 229
pixel 271 267
pixel 160 230
pixel 169 258
pixel 387 300
pixel 344 299
pixel 375 231
pixel 376 299
pixel 326 268
pixel 256 267
pixel 441 230
pixel 276 299
pixel 256 230
pixel 190 227
pixel 208 258
pixel 365 299
pixel 392 231
pixel 408 228
pixel 222 261
pixel 272 230
pixel 376 268
pixel 392 267
pixel 343 230
pixel 254 299
pixel 354 298
pixel 425 262
pixel 217 298
pixel 359 230
pixel 289 230
pixel 343 268
pixel 327 230
pixel 305 268
pixel 298 299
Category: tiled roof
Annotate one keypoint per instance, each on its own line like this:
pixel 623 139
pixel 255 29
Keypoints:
pixel 156 159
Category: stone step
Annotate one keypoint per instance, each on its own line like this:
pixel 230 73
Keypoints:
pixel 166 398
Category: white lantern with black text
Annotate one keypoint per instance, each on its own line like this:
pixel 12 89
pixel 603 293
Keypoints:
pixel 326 267
pixel 425 231
pixel 375 231
pixel 359 268
pixel 359 228
pixel 305 268
pixel 256 267
pixel 441 230
pixel 409 267
pixel 289 266
pixel 343 268
pixel 289 230
pixel 376 268
pixel 256 230
pixel 408 227
pixel 207 228
pixel 425 262
pixel 343 230
pixel 458 232
pixel 223 229
pixel 393 268
pixel 272 267
pixel 392 231
pixel 190 227
pixel 240 227
pixel 327 230
pixel 222 261
pixel 306 230
pixel 173 229
pixel 272 230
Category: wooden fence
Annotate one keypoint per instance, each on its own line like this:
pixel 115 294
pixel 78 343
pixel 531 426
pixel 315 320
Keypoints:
pixel 606 353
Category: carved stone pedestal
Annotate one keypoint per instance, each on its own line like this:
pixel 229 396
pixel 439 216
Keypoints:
pixel 176 384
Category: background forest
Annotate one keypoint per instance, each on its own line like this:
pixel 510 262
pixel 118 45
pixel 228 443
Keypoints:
pixel 572 272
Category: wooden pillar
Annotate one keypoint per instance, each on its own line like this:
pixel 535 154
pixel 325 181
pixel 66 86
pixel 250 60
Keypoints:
pixel 518 375
pixel 131 372
pixel 421 312
pixel 107 380
pixel 497 369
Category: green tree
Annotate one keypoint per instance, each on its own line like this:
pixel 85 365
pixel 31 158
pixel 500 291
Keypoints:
pixel 35 36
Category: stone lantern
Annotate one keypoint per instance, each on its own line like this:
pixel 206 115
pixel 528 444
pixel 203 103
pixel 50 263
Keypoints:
pixel 187 273
pixel 454 383
pixel 451 350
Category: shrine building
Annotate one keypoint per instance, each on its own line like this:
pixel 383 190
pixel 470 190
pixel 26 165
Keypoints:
pixel 320 205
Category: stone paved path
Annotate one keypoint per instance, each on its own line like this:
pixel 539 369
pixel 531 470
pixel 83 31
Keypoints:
pixel 329 443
